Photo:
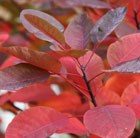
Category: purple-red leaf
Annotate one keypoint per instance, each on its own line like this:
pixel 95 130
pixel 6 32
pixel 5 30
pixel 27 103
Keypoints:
pixel 78 32
pixel 125 29
pixel 131 66
pixel 125 49
pixel 37 122
pixel 34 57
pixel 107 24
pixel 43 26
pixel 21 75
pixel 87 3
pixel 112 121
pixel 74 126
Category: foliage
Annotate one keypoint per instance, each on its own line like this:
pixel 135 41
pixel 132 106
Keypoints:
pixel 89 49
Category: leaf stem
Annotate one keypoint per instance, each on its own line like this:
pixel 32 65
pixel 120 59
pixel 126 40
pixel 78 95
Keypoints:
pixel 136 19
pixel 88 86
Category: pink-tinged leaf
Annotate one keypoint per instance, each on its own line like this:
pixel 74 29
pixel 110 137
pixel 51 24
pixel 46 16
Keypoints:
pixel 21 75
pixel 43 26
pixel 111 121
pixel 106 97
pixel 131 66
pixel 74 126
pixel 35 92
pixel 131 97
pixel 125 29
pixel 136 109
pixel 3 37
pixel 34 57
pixel 10 61
pixel 130 93
pixel 78 32
pixel 4 98
pixel 87 3
pixel 107 24
pixel 125 49
pixel 37 122
pixel 73 76
pixel 94 66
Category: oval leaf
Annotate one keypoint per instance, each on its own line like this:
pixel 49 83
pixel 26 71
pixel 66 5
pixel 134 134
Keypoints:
pixel 37 122
pixel 43 26
pixel 107 24
pixel 112 121
pixel 35 92
pixel 125 49
pixel 34 57
pixel 130 93
pixel 78 32
pixel 131 66
pixel 21 75
pixel 74 126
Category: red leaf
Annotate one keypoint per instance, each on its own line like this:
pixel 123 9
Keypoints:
pixel 21 75
pixel 131 97
pixel 107 24
pixel 131 66
pixel 78 32
pixel 94 66
pixel 106 97
pixel 112 121
pixel 43 26
pixel 37 122
pixel 71 104
pixel 10 61
pixel 125 49
pixel 35 92
pixel 87 3
pixel 74 126
pixel 34 57
pixel 3 37
pixel 118 82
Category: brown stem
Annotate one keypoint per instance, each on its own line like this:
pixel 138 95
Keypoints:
pixel 88 86
pixel 136 19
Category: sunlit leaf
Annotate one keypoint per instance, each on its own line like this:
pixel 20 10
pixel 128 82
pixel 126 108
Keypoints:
pixel 113 121
pixel 37 122
pixel 107 24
